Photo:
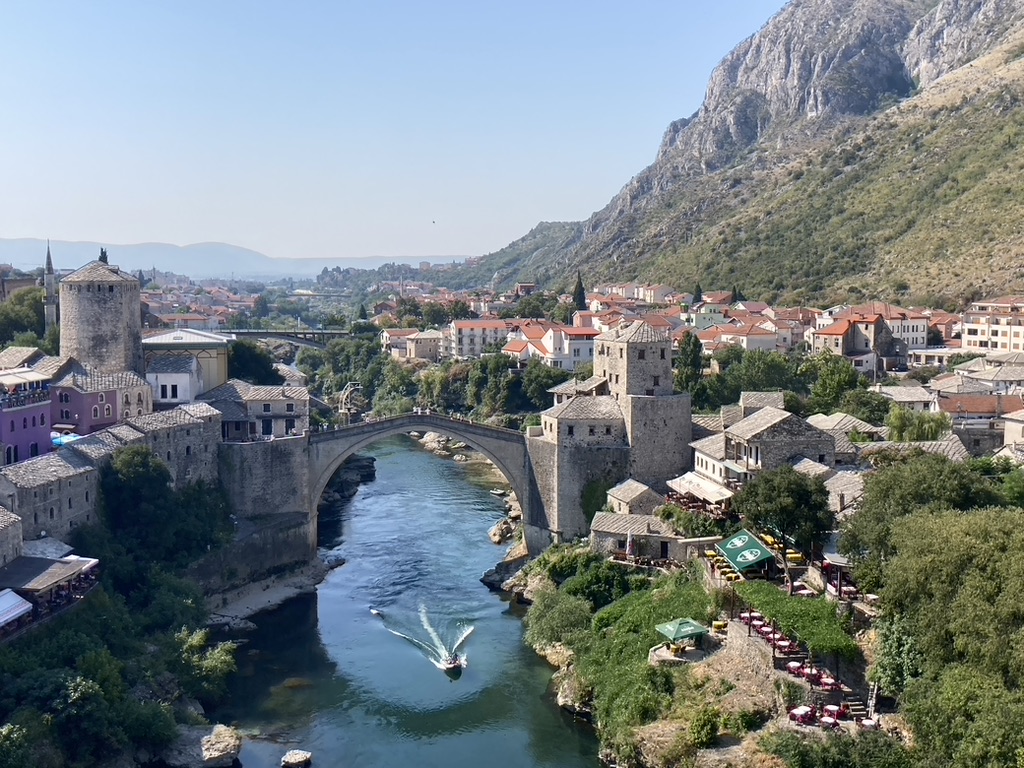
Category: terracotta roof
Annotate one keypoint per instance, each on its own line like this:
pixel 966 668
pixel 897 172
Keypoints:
pixel 838 328
pixel 989 405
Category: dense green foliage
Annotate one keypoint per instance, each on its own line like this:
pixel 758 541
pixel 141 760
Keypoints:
pixel 814 622
pixel 105 677
pixel 23 313
pixel 866 405
pixel 250 362
pixel 867 750
pixel 910 426
pixel 692 525
pixel 611 645
pixel 922 482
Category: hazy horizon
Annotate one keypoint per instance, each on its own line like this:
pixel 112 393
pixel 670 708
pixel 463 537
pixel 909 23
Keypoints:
pixel 340 130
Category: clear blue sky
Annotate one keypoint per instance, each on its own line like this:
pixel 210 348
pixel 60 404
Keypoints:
pixel 340 129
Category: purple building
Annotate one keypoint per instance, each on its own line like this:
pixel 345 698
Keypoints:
pixel 85 401
pixel 24 414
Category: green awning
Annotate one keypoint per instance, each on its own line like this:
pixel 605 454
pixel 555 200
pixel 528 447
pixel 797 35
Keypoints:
pixel 678 630
pixel 743 550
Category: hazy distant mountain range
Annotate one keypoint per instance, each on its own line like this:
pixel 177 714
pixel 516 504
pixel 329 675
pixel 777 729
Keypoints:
pixel 199 260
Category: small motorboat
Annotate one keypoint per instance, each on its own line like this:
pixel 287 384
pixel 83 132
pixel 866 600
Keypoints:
pixel 497 491
pixel 452 661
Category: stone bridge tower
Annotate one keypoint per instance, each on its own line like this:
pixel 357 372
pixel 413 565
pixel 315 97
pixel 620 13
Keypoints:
pixel 101 321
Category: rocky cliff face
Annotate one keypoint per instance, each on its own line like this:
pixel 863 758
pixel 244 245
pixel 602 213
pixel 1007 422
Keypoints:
pixel 813 75
pixel 955 33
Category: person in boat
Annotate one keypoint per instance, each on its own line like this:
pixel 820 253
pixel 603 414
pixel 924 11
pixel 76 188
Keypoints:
pixel 452 660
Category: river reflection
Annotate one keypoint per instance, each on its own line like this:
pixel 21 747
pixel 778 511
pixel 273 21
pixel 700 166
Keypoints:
pixel 322 673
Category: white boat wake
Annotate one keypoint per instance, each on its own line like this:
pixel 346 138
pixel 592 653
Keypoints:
pixel 436 650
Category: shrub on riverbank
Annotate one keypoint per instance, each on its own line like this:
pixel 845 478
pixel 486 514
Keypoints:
pixel 103 678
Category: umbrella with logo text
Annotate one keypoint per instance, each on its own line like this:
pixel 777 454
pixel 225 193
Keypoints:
pixel 678 630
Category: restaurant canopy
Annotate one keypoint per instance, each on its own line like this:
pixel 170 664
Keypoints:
pixel 39 575
pixel 743 550
pixel 681 629
pixel 692 484
pixel 12 606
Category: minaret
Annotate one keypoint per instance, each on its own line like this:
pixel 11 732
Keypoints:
pixel 49 293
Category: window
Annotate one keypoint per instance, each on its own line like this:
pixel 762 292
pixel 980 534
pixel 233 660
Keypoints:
pixel 102 398
pixel 174 391
pixel 106 410
pixel 33 421
pixel 607 430
pixel 188 450
pixel 24 422
pixel 290 407
pixel 593 431
pixel 289 425
pixel 268 427
pixel 51 513
pixel 86 495
pixel 95 411
pixel 570 431
pixel 33 450
pixel 127 400
pixel 657 381
pixel 650 392
pixel 163 391
pixel 266 407
pixel 140 412
pixel 69 503
pixel 138 401
pixel 620 353
pixel 662 353
pixel 641 354
pixel 168 455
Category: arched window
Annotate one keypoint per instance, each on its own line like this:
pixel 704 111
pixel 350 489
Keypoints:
pixel 168 455
pixel 138 400
pixel 33 421
pixel 69 502
pixel 95 411
pixel 51 513
pixel 24 422
pixel 106 409
pixel 103 397
pixel 127 400
pixel 42 419
pixel 9 455
pixel 188 450
pixel 140 411
pixel 33 450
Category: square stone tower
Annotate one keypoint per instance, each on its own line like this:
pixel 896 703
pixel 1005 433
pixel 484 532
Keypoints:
pixel 636 361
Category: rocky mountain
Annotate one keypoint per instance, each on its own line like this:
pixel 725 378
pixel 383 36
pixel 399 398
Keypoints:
pixel 838 151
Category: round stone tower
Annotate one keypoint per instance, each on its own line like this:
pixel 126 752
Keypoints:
pixel 100 318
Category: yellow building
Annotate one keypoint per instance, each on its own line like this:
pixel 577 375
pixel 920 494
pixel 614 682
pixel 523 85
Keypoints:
pixel 210 351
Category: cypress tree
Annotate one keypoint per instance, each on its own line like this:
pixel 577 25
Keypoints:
pixel 579 294
pixel 698 294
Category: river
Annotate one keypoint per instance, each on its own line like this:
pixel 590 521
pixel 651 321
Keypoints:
pixel 322 673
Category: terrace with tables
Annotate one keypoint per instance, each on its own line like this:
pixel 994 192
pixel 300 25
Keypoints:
pixel 33 589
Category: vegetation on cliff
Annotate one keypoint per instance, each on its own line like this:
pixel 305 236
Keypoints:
pixel 110 675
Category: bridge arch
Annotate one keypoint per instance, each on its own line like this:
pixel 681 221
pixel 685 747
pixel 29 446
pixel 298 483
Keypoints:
pixel 506 448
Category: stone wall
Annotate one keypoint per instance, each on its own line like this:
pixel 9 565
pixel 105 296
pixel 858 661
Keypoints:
pixel 54 506
pixel 264 546
pixel 980 441
pixel 189 449
pixel 791 438
pixel 266 476
pixel 10 536
pixel 584 432
pixel 578 467
pixel 660 431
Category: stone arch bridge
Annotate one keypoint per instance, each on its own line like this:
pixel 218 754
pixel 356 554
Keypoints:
pixel 505 447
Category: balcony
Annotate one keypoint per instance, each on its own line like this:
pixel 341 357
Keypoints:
pixel 21 399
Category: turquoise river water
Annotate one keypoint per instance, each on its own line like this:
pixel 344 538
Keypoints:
pixel 322 673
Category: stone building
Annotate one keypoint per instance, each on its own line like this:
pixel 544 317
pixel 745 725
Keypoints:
pixel 424 345
pixel 175 380
pixel 632 498
pixel 624 422
pixel 250 412
pixel 10 536
pixel 209 350
pixel 100 318
pixel 652 537
pixel 51 494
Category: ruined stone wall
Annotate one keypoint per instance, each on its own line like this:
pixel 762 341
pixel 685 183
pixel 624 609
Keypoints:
pixel 101 325
pixel 660 430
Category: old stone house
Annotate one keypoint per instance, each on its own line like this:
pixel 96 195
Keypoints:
pixel 632 498
pixel 251 412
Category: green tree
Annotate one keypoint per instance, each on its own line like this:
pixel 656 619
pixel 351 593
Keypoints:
pixel 698 293
pixel 579 293
pixel 361 314
pixel 923 482
pixel 203 668
pixel 554 617
pixel 689 363
pixel 914 426
pixel 832 376
pixel 538 379
pixel 460 310
pixel 250 362
pixel 260 306
pixel 866 405
pixel 789 504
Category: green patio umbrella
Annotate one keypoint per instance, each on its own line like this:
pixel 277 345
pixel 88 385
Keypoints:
pixel 678 630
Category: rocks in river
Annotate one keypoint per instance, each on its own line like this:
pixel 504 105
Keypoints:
pixel 296 758
pixel 196 747
pixel 502 531
pixel 460 457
